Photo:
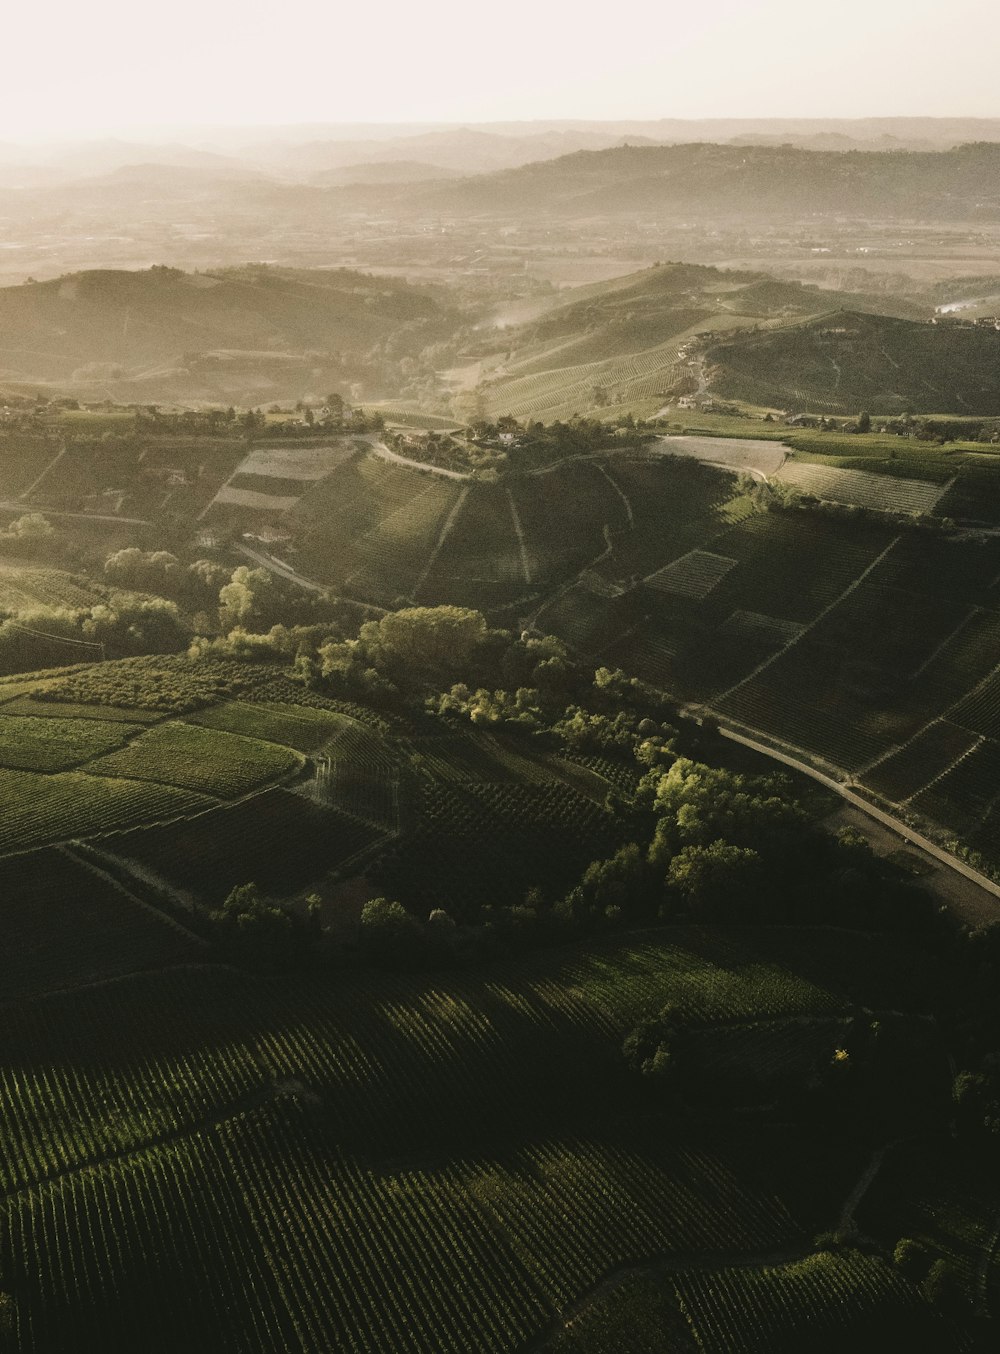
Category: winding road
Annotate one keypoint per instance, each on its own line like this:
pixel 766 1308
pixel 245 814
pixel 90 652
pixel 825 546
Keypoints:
pixel 972 906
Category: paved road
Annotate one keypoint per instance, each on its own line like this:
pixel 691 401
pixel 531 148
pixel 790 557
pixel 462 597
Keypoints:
pixel 282 570
pixel 900 829
pixel 277 566
pixel 387 454
pixel 12 505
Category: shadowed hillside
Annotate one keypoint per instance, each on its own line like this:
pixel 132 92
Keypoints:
pixel 849 361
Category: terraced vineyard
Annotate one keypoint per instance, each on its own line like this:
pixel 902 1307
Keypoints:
pixel 339 510
pixel 975 496
pixel 927 755
pixel 563 514
pixel 294 726
pixel 961 798
pixel 551 394
pixel 538 834
pixel 693 575
pixel 859 1297
pixel 481 547
pixel 24 458
pixel 399 548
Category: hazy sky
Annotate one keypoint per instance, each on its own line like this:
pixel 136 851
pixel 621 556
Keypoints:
pixel 79 66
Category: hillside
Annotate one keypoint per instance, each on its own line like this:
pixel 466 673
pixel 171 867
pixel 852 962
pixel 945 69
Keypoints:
pixel 845 361
pixel 243 335
pixel 220 1142
pixel 625 341
pixel 752 182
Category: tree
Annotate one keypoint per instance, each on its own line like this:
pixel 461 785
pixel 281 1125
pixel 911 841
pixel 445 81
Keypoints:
pixel 650 1049
pixel 714 878
pixel 943 1287
pixel 30 528
pixel 388 933
pixel 430 639
pixel 865 422
pixel 261 932
pixel 240 599
pixel 143 569
pixel 913 1258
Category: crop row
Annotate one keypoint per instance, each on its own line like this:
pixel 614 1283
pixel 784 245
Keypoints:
pixel 844 1298
pixel 980 710
pixel 932 751
pixel 261 1234
pixel 296 726
pixel 694 575
pixel 961 798
pixel 224 765
pixel 112 1067
pixel 25 589
pixel 23 459
pixel 279 840
pixel 31 744
pixel 791 566
pixel 63 925
pixel 885 493
pixel 36 810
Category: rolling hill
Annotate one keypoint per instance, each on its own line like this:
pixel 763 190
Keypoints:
pixel 245 334
pixel 752 182
pixel 846 361
pixel 627 341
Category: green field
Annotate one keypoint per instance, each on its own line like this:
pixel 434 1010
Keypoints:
pixel 293 726
pixel 36 810
pixel 31 744
pixel 224 765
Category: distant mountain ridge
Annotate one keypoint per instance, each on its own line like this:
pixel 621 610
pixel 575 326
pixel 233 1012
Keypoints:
pixel 729 181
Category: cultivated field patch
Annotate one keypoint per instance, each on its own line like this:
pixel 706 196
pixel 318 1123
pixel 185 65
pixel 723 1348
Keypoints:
pixel 28 743
pixel 882 493
pixel 758 628
pixel 224 765
pixel 252 498
pixel 37 810
pixel 296 463
pixel 694 575
pixel 730 453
